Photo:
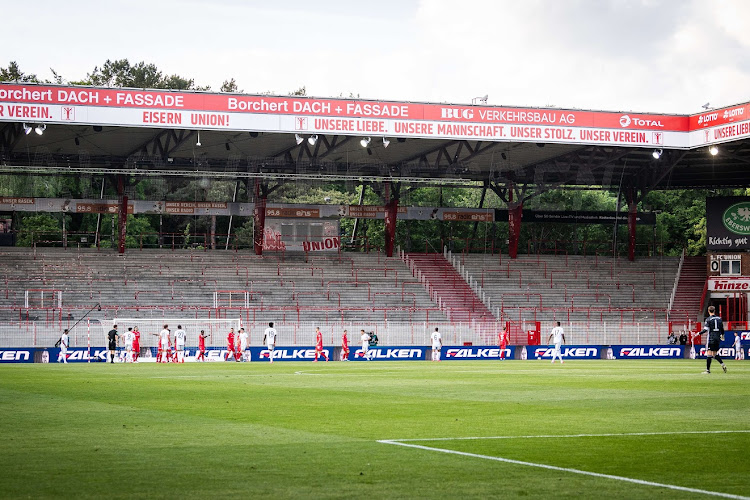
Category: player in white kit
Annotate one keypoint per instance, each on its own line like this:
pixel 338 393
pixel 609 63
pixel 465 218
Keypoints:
pixel 558 335
pixel 64 343
pixel 129 339
pixel 738 347
pixel 179 343
pixel 269 338
pixel 244 342
pixel 163 345
pixel 437 344
pixel 365 337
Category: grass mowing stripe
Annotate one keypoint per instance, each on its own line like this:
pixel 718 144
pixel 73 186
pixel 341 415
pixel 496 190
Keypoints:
pixel 565 469
pixel 549 436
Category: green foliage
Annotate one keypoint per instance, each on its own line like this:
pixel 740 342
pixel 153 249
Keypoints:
pixel 121 73
pixel 229 86
pixel 14 74
pixel 38 228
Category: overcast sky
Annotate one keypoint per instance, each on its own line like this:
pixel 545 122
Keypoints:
pixel 621 55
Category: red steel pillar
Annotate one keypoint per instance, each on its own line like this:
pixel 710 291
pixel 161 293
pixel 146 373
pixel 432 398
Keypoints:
pixel 122 213
pixel 632 213
pixel 259 214
pixel 391 213
pixel 515 210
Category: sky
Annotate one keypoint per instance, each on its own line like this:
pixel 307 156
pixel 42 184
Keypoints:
pixel 666 56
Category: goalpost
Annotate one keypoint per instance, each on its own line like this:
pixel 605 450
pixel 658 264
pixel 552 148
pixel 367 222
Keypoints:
pixel 216 329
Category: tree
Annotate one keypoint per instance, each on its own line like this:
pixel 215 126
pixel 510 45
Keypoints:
pixel 229 86
pixel 13 74
pixel 121 73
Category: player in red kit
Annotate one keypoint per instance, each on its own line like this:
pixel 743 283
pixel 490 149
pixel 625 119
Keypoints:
pixel 345 346
pixel 503 342
pixel 136 344
pixel 319 345
pixel 230 344
pixel 202 346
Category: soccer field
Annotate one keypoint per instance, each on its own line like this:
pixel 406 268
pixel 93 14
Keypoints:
pixel 592 429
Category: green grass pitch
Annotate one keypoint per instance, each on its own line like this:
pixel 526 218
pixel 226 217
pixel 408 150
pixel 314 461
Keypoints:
pixel 304 430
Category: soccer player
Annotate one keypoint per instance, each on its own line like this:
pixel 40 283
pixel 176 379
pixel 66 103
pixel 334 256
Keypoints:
pixel 319 345
pixel 64 344
pixel 269 338
pixel 558 335
pixel 243 340
pixel 437 344
pixel 365 338
pixel 129 338
pixel 164 346
pixel 179 344
pixel 737 347
pixel 715 328
pixel 230 344
pixel 202 346
pixel 345 346
pixel 503 342
pixel 112 338
pixel 136 343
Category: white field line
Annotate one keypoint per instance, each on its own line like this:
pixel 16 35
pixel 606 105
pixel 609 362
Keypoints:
pixel 573 471
pixel 549 436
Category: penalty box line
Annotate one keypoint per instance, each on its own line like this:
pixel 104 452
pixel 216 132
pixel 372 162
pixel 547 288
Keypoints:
pixel 570 470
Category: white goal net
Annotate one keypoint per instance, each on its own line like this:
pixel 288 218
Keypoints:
pixel 216 329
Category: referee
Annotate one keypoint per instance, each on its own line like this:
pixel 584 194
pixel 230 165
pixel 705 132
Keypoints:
pixel 715 329
pixel 112 338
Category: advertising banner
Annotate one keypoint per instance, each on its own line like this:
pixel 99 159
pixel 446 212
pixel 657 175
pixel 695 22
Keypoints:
pixel 567 351
pixel 17 355
pixel 453 353
pixel 393 353
pixel 648 351
pixel 724 352
pixel 297 114
pixel 728 223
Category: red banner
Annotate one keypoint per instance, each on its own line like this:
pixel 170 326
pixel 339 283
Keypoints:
pixel 203 110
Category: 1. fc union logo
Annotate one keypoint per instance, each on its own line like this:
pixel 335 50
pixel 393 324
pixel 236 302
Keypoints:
pixel 300 123
pixel 68 113
pixel 707 135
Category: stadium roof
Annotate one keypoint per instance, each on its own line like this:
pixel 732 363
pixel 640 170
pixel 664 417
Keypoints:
pixel 426 143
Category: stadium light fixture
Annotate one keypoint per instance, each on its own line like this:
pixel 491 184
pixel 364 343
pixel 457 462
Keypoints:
pixel 312 140
pixel 27 128
pixel 298 138
pixel 656 154
pixel 482 100
pixel 198 143
pixel 365 141
pixel 713 150
pixel 706 106
pixel 386 142
pixel 39 129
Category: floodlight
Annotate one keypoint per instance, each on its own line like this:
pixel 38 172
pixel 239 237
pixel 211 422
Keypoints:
pixel 656 154
pixel 713 150
pixel 199 139
pixel 386 142
pixel 312 140
pixel 27 128
pixel 298 138
pixel 39 129
pixel 365 141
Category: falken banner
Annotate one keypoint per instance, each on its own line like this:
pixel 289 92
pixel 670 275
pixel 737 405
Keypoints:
pixel 78 105
pixel 728 223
